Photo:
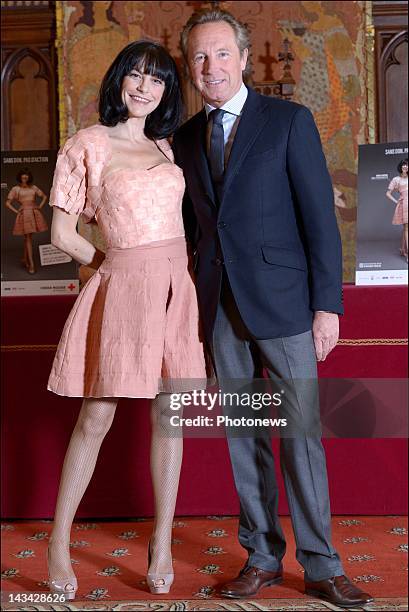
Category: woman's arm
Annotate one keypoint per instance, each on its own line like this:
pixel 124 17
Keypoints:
pixel 65 237
pixel 42 195
pixel 393 186
pixel 9 200
pixel 10 206
pixel 390 196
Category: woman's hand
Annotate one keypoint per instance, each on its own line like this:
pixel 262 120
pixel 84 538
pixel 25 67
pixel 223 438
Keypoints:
pixel 85 273
pixel 390 196
pixel 97 260
pixel 10 206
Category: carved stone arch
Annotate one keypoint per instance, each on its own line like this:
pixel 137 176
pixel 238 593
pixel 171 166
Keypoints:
pixel 29 76
pixel 11 72
pixel 10 68
pixel 388 57
pixel 393 88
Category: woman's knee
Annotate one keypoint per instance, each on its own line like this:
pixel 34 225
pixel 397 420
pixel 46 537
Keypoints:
pixel 96 418
pixel 162 413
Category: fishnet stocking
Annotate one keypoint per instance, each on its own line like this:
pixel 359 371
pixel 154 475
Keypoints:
pixel 94 421
pixel 166 460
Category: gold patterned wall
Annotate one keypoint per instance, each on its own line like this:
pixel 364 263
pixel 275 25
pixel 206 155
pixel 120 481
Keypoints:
pixel 332 67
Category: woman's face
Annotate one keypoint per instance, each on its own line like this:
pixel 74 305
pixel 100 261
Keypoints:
pixel 141 93
pixel 24 179
pixel 404 168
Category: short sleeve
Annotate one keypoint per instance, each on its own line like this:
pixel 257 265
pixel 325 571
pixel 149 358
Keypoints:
pixel 13 193
pixel 70 177
pixel 164 146
pixel 394 184
pixel 38 191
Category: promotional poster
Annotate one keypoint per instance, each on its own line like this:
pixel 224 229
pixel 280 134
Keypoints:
pixel 30 264
pixel 381 253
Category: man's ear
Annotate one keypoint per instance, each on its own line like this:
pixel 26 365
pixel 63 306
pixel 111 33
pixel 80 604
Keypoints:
pixel 244 58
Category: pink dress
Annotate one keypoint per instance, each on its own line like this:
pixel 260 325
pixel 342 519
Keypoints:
pixel 30 219
pixel 401 211
pixel 134 329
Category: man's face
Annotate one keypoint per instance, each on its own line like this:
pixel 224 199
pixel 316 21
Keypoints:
pixel 215 63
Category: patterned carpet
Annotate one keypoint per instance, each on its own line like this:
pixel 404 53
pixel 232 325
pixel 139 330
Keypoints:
pixel 109 561
pixel 395 604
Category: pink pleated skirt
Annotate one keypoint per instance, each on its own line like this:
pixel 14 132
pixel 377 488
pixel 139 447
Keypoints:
pixel 29 220
pixel 400 216
pixel 134 329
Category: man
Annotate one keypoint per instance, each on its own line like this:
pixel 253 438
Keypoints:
pixel 269 278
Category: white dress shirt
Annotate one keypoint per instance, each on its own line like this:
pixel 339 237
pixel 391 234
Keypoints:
pixel 233 109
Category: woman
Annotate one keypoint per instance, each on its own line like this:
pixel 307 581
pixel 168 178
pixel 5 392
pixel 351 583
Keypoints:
pixel 133 331
pixel 29 219
pixel 400 217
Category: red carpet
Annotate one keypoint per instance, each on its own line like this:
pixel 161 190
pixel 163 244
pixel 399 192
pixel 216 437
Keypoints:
pixel 109 559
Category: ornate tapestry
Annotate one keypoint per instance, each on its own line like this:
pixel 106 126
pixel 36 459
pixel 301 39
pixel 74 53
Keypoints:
pixel 331 45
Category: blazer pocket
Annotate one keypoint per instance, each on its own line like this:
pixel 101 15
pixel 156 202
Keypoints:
pixel 281 256
pixel 268 154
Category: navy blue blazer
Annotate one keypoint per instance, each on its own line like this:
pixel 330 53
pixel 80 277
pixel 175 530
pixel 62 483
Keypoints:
pixel 274 231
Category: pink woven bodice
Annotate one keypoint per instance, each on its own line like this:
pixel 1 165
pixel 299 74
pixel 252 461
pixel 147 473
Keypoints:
pixel 400 184
pixel 131 206
pixel 26 196
pixel 141 206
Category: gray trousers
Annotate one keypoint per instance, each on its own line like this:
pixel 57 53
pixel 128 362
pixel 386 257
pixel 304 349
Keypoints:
pixel 303 464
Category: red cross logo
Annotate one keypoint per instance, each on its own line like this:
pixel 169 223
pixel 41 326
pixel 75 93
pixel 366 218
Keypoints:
pixel 71 287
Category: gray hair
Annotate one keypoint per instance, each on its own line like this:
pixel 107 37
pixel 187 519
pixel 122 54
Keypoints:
pixel 212 16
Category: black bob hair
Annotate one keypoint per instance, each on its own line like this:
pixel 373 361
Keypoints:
pixel 149 58
pixel 400 164
pixel 27 172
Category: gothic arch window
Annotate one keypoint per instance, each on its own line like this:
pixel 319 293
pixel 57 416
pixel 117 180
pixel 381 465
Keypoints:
pixel 393 94
pixel 28 100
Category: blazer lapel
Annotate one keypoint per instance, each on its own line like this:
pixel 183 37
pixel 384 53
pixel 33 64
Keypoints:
pixel 201 159
pixel 252 121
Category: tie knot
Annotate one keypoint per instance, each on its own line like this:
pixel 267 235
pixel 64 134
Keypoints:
pixel 217 116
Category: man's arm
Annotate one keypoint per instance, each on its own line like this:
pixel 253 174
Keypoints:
pixel 189 217
pixel 311 183
pixel 314 198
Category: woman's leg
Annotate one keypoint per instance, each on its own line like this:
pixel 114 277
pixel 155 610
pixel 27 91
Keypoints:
pixel 405 233
pixel 94 421
pixel 25 255
pixel 166 461
pixel 402 249
pixel 29 247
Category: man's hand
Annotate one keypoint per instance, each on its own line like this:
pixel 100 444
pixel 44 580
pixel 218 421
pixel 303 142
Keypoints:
pixel 325 331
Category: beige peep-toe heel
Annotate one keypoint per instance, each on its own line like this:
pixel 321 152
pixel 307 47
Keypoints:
pixel 158 583
pixel 67 587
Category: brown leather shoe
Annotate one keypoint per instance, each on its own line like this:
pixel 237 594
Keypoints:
pixel 338 590
pixel 250 581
